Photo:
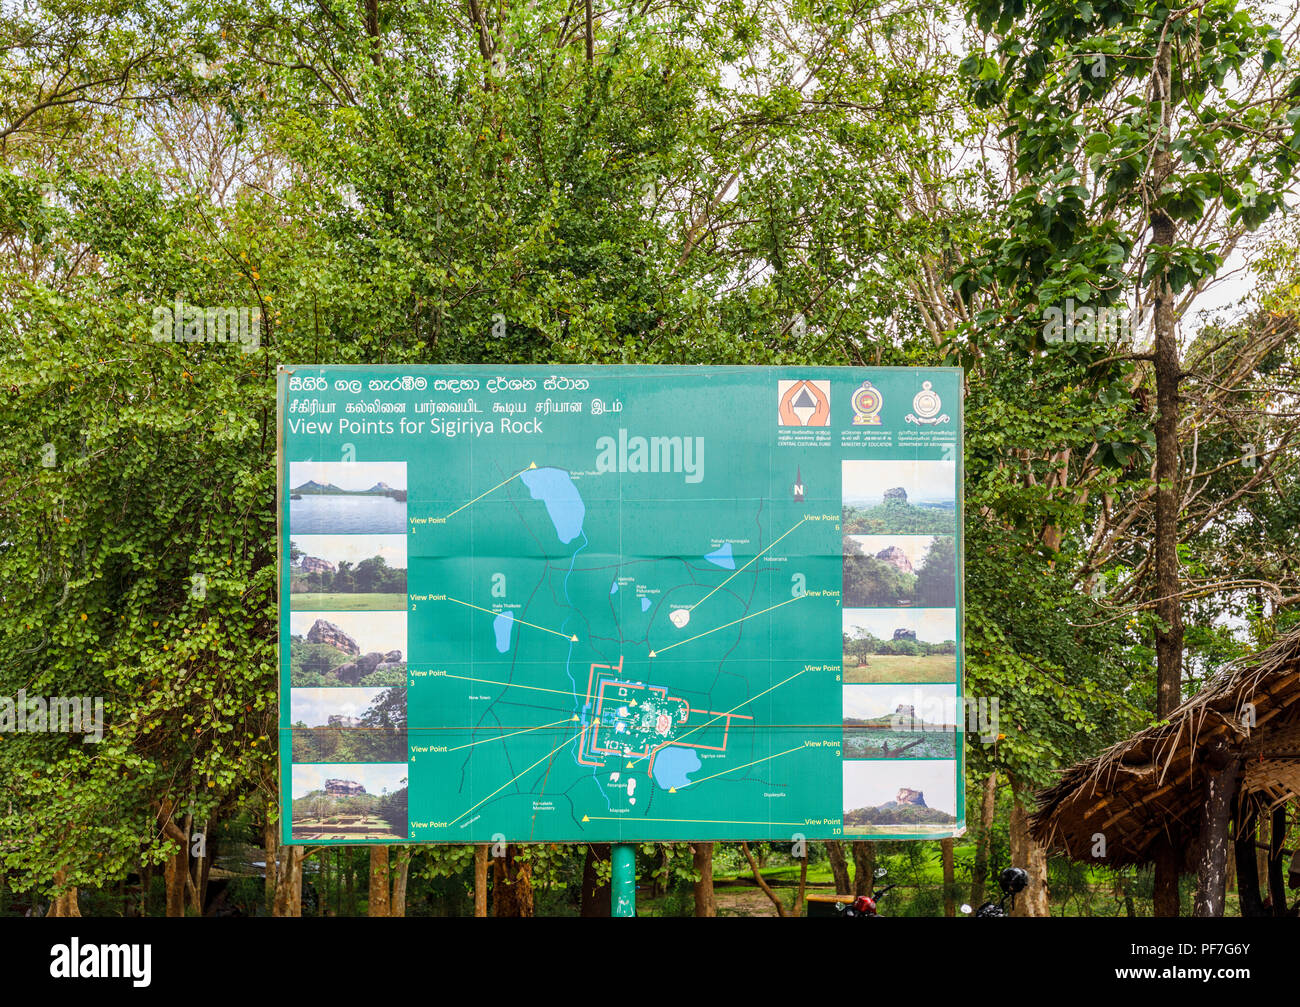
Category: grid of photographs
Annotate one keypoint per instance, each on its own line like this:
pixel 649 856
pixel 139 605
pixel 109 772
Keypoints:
pixel 901 708
pixel 348 650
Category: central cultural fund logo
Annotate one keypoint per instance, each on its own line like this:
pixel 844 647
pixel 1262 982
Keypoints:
pixel 926 405
pixel 804 403
pixel 866 406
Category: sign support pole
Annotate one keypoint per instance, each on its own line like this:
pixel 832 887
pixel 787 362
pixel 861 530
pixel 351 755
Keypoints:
pixel 622 882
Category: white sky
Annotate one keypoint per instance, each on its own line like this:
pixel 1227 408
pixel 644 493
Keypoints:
pixel 374 776
pixel 923 480
pixel 381 631
pixel 932 625
pixel 914 546
pixel 354 548
pixel 315 706
pixel 866 701
pixel 349 475
pixel 871 783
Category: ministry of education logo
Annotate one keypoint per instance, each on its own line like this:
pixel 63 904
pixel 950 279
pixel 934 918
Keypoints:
pixel 866 406
pixel 927 404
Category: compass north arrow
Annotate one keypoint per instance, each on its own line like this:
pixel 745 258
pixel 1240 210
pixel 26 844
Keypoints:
pixel 692 608
pixel 531 465
pixel 514 617
pixel 752 615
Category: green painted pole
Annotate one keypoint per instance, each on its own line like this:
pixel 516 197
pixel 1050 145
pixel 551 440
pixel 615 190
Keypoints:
pixel 622 882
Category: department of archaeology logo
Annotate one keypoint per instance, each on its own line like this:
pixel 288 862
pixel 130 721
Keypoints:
pixel 927 404
pixel 866 406
pixel 804 403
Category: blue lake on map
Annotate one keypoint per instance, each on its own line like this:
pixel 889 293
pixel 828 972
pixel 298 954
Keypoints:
pixel 329 515
pixel 555 488
pixel 722 557
pixel 502 625
pixel 673 766
pixel 645 604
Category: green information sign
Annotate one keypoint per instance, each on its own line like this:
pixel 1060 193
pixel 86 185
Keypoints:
pixel 620 603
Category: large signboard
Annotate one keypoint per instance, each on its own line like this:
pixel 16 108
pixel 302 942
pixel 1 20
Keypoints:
pixel 620 603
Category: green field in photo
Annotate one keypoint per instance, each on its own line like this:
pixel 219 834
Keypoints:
pixel 902 668
pixel 344 602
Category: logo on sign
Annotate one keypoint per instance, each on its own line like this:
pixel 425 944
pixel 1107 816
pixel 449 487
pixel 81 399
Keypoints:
pixel 866 406
pixel 804 403
pixel 926 405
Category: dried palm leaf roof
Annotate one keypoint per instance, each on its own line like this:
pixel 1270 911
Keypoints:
pixel 1151 785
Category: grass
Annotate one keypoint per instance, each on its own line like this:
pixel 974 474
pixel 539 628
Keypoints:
pixel 344 602
pixel 904 829
pixel 900 668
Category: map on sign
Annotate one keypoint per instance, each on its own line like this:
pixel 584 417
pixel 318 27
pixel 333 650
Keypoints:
pixel 620 603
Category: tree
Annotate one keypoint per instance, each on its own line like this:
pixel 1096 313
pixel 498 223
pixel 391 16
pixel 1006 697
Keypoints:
pixel 1151 139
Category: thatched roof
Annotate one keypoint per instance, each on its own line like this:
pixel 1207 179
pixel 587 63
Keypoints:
pixel 1152 784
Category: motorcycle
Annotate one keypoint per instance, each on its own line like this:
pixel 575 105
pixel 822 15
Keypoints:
pixel 865 905
pixel 1012 881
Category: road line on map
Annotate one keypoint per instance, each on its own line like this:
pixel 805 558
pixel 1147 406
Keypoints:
pixel 752 615
pixel 526 730
pixel 512 779
pixel 512 685
pixel 685 821
pixel 514 618
pixel 677 741
pixel 745 766
pixel 692 608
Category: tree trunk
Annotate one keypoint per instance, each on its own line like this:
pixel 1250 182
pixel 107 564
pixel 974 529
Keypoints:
pixel 146 882
pixel 352 881
pixel 1276 882
pixel 270 853
pixel 1248 867
pixel 1211 871
pixel 596 894
pixel 64 901
pixel 949 878
pixel 512 884
pixel 481 879
pixel 176 870
pixel 988 808
pixel 377 903
pixel 803 886
pixel 1029 854
pixel 758 879
pixel 402 874
pixel 288 882
pixel 1168 868
pixel 864 867
pixel 1168 368
pixel 839 866
pixel 203 866
pixel 705 903
pixel 175 873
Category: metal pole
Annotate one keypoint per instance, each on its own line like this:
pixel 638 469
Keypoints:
pixel 622 882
